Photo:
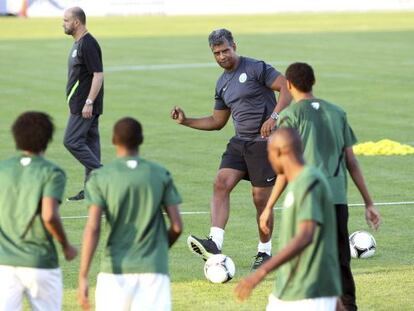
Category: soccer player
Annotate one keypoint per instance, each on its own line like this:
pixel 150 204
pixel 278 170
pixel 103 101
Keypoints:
pixel 84 91
pixel 308 270
pixel 31 189
pixel 328 140
pixel 132 193
pixel 245 91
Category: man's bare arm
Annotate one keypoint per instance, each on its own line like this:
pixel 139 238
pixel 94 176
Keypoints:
pixel 216 121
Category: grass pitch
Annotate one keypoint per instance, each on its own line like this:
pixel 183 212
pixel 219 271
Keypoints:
pixel 363 62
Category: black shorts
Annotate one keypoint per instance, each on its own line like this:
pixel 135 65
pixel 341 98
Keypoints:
pixel 249 157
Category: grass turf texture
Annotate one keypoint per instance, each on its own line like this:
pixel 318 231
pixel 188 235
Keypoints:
pixel 362 61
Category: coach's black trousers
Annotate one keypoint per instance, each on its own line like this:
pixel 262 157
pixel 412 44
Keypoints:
pixel 348 284
pixel 83 142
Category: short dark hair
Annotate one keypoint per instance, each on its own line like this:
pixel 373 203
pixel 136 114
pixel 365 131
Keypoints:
pixel 292 139
pixel 128 133
pixel 301 76
pixel 32 131
pixel 79 14
pixel 220 36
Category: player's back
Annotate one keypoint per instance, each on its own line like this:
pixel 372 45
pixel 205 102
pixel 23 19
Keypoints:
pixel 133 193
pixel 325 134
pixel 315 272
pixel 24 181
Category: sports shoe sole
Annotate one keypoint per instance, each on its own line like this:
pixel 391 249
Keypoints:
pixel 254 267
pixel 197 248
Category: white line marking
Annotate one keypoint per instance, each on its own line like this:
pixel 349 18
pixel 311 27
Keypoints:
pixel 276 208
pixel 383 203
pixel 152 67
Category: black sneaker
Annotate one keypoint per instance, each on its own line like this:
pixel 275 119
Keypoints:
pixel 77 197
pixel 202 247
pixel 259 259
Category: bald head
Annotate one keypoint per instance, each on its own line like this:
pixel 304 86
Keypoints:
pixel 74 21
pixel 285 150
pixel 78 14
pixel 286 140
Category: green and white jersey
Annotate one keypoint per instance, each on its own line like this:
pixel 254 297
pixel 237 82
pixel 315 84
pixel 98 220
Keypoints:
pixel 315 272
pixel 24 181
pixel 325 133
pixel 132 193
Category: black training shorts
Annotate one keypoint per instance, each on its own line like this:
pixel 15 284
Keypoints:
pixel 249 157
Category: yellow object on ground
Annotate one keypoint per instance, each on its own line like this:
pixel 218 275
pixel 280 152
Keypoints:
pixel 383 147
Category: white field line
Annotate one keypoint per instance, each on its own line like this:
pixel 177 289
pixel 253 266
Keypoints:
pixel 152 67
pixel 276 208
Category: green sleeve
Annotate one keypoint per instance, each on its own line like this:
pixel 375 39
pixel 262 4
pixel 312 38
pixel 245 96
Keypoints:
pixel 349 136
pixel 286 119
pixel 55 185
pixel 311 203
pixel 171 195
pixel 93 192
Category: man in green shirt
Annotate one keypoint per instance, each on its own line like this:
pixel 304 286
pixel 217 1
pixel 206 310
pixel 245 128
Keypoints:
pixel 308 276
pixel 31 189
pixel 328 140
pixel 132 194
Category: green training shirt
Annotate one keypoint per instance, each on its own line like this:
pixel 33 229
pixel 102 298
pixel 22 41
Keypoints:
pixel 133 193
pixel 325 133
pixel 24 181
pixel 314 272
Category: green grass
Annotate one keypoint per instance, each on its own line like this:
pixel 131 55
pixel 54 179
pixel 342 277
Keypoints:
pixel 362 61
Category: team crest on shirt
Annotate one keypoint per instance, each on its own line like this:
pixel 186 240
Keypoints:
pixel 315 105
pixel 289 200
pixel 132 164
pixel 74 53
pixel 243 77
pixel 25 161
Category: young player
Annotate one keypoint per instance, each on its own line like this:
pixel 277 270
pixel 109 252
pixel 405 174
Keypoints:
pixel 245 91
pixel 31 189
pixel 308 271
pixel 132 193
pixel 328 140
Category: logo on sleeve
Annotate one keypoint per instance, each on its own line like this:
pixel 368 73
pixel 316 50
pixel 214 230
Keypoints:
pixel 243 77
pixel 74 53
pixel 289 200
pixel 315 105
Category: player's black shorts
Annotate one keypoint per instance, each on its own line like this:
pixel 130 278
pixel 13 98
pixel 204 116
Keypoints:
pixel 249 157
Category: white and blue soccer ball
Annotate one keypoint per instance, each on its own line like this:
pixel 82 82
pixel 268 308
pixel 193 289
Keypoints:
pixel 219 268
pixel 362 244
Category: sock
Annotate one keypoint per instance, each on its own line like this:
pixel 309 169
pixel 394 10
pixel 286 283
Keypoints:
pixel 265 247
pixel 217 235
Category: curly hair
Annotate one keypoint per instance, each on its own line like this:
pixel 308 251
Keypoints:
pixel 32 131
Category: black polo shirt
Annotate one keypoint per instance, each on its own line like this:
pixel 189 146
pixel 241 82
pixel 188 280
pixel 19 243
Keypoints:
pixel 85 58
pixel 247 92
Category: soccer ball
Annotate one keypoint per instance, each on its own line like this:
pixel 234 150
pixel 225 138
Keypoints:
pixel 219 268
pixel 362 244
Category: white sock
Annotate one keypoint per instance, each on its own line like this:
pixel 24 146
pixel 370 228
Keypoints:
pixel 217 235
pixel 265 247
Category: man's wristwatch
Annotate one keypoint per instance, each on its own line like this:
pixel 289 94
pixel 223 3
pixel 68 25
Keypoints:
pixel 89 102
pixel 274 115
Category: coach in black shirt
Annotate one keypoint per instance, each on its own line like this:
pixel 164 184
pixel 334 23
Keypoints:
pixel 84 91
